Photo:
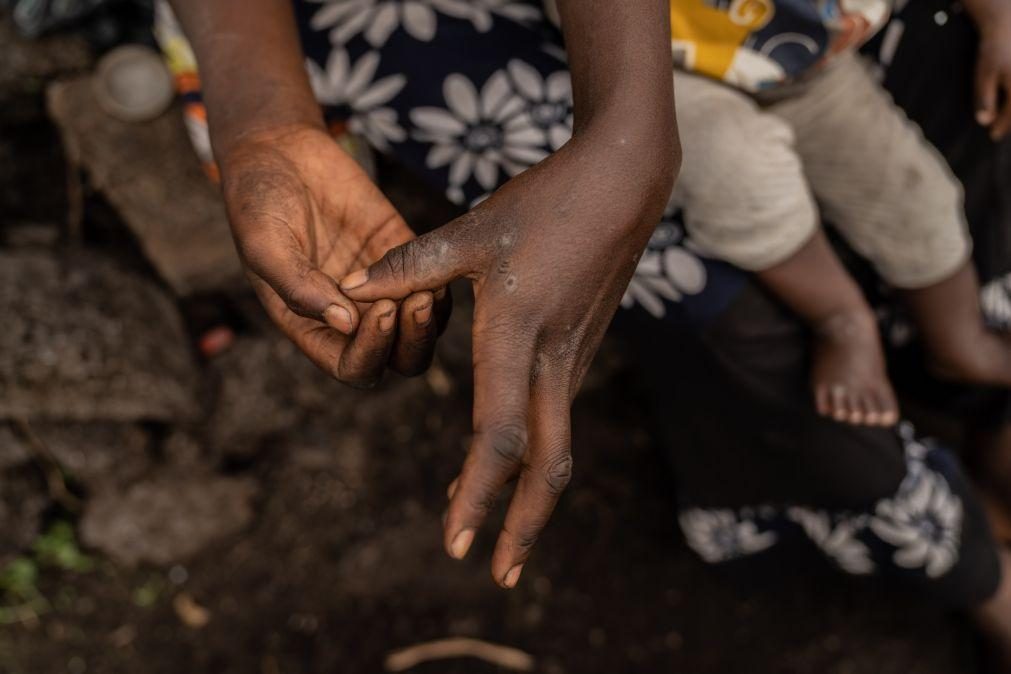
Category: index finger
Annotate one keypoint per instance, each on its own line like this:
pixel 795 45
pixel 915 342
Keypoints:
pixel 501 395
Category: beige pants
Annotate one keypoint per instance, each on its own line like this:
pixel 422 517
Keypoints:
pixel 758 169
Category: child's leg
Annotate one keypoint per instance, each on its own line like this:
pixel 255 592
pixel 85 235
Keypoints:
pixel 848 370
pixel 746 201
pixel 957 341
pixel 893 197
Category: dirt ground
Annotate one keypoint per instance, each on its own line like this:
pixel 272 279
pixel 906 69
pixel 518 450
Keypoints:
pixel 253 517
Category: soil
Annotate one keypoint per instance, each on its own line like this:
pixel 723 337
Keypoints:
pixel 293 526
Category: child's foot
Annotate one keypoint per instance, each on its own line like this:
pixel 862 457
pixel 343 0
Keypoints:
pixel 848 373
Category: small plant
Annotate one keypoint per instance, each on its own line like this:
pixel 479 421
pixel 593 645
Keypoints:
pixel 20 598
pixel 57 548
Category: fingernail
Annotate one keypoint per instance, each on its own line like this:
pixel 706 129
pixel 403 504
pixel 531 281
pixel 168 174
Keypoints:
pixel 386 321
pixel 358 278
pixel 452 489
pixel 423 315
pixel 513 576
pixel 339 319
pixel 982 117
pixel 461 544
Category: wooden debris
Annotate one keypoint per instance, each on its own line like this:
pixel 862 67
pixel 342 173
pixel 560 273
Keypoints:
pixel 444 649
pixel 190 612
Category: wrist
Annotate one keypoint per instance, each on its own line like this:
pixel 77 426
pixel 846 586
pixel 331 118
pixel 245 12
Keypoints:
pixel 238 135
pixel 231 148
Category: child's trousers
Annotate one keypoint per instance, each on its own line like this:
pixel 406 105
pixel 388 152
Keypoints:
pixel 758 170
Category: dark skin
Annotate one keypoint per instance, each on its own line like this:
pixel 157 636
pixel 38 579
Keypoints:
pixel 848 365
pixel 542 303
pixel 304 215
pixel 848 370
pixel 302 212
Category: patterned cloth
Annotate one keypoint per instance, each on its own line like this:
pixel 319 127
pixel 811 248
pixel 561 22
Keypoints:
pixel 469 93
pixel 756 44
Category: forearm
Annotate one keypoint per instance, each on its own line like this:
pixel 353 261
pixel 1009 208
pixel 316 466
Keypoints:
pixel 251 67
pixel 622 76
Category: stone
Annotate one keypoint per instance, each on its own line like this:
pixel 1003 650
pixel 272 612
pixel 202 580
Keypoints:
pixel 150 174
pixel 85 340
pixel 265 385
pixel 167 520
pixel 96 456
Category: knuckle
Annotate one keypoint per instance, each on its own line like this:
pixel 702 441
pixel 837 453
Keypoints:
pixel 483 502
pixel 524 539
pixel 508 442
pixel 558 473
pixel 395 262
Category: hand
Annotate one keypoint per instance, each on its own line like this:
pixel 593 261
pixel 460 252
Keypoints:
pixel 549 255
pixel 304 214
pixel 993 75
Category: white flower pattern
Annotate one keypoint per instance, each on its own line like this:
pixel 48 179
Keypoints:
pixel 479 134
pixel 365 98
pixel 720 535
pixel 923 521
pixel 375 19
pixel 482 13
pixel 838 542
pixel 995 299
pixel 549 101
pixel 668 269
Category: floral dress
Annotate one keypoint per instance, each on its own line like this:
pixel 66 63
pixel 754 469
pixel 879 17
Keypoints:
pixel 469 93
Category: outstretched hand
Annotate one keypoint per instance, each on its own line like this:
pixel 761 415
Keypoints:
pixel 304 214
pixel 549 256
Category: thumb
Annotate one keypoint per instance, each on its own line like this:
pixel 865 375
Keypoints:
pixel 429 262
pixel 304 288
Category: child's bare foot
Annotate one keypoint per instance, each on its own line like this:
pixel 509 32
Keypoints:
pixel 848 372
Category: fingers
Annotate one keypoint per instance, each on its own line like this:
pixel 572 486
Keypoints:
pixel 425 263
pixel 497 452
pixel 540 485
pixel 415 344
pixel 990 81
pixel 366 355
pixel 987 81
pixel 307 291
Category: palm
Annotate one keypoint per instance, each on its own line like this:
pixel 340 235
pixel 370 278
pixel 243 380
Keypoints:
pixel 304 215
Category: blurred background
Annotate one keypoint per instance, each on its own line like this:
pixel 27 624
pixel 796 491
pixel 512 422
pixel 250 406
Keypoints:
pixel 182 492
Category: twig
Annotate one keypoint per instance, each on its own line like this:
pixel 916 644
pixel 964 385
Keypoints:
pixel 50 466
pixel 442 649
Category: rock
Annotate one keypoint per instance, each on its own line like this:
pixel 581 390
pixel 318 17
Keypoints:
pixel 151 176
pixel 168 520
pixel 265 385
pixel 13 451
pixel 84 340
pixel 26 64
pixel 98 456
